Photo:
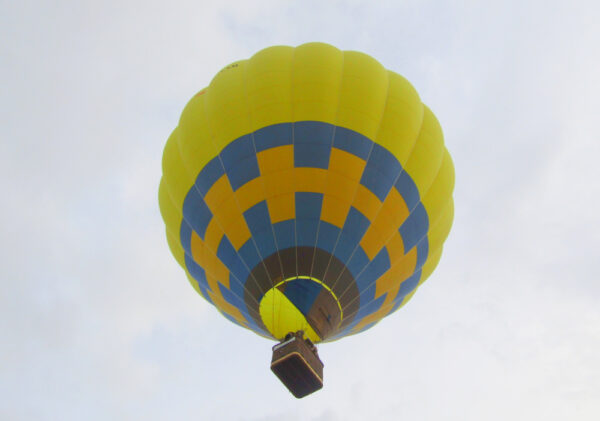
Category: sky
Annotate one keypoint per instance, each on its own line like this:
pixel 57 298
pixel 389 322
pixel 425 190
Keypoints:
pixel 97 320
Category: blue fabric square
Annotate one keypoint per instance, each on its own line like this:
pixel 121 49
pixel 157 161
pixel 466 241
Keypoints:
pixel 377 182
pixel 414 228
pixel 232 260
pixel 352 142
pixel 234 299
pixel 285 232
pixel 377 267
pixel 257 217
pixel 242 172
pixel 354 228
pixel 249 254
pixel 237 151
pixel 328 235
pixel 199 275
pixel 386 163
pixel 185 237
pixel 196 212
pixel 370 307
pixel 308 205
pixel 408 190
pixel 265 242
pixel 209 175
pixel 311 155
pixel 313 132
pixel 409 285
pixel 357 263
pixel 273 136
pixel 306 231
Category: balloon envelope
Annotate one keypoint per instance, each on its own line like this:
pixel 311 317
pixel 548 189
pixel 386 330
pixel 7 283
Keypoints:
pixel 307 188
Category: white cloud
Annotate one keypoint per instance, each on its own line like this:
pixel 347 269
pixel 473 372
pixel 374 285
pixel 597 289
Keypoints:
pixel 99 322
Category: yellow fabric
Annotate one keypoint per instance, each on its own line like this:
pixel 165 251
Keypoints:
pixel 281 317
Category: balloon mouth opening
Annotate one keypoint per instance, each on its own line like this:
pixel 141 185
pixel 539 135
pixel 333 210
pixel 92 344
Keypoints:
pixel 319 282
pixel 301 303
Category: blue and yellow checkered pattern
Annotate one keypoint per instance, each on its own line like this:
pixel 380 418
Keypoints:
pixel 312 210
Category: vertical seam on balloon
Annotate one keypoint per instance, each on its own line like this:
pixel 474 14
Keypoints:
pixel 292 59
pixel 328 169
pixel 312 265
pixel 383 110
pixel 218 156
pixel 354 196
pixel 261 180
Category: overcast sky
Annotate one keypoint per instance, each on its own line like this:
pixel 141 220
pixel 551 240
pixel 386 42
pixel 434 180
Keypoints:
pixel 99 323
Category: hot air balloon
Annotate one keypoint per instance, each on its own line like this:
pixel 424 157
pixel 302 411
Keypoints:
pixel 306 193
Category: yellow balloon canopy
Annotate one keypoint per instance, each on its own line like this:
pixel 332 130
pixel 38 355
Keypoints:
pixel 308 189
